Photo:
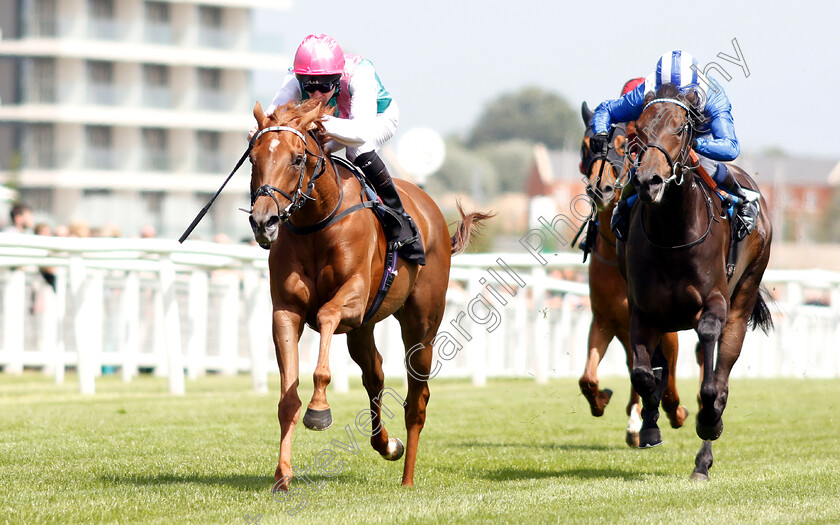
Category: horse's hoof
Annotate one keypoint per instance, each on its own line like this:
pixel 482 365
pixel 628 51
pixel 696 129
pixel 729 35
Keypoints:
pixel 632 439
pixel 709 433
pixel 699 476
pixel 650 437
pixel 678 417
pixel 317 419
pixel 395 451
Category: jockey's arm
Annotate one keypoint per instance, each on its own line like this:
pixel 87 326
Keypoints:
pixel 289 90
pixel 628 107
pixel 358 128
pixel 724 145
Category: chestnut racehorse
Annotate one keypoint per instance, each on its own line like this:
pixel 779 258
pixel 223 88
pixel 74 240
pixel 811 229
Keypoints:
pixel 608 289
pixel 675 264
pixel 326 267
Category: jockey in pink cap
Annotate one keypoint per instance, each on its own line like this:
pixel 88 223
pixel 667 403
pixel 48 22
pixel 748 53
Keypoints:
pixel 364 118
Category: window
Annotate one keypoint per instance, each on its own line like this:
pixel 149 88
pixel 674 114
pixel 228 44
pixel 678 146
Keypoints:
pixel 208 156
pixel 156 92
pixel 155 149
pixel 40 18
pixel 39 146
pixel 157 12
pixel 99 154
pixel 100 72
pixel 156 76
pixel 39 80
pixel 210 16
pixel 102 9
pixel 210 79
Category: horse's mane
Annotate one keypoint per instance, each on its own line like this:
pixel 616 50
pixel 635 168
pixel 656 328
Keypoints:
pixel 297 115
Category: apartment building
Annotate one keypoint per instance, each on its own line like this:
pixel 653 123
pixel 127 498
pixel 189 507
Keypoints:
pixel 131 112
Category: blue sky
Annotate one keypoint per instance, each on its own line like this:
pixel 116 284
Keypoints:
pixel 445 60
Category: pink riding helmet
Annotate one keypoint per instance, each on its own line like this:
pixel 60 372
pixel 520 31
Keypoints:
pixel 319 55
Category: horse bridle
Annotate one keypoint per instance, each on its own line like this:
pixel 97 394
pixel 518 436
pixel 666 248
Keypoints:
pixel 298 200
pixel 679 167
pixel 611 156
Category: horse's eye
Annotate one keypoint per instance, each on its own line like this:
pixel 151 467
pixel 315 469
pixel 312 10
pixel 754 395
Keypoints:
pixel 298 160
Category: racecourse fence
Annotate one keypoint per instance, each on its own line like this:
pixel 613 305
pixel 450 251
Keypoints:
pixel 130 306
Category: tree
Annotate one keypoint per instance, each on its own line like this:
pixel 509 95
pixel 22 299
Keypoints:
pixel 530 114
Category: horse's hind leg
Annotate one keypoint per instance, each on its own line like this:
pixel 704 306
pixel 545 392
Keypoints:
pixel 362 347
pixel 670 397
pixel 599 339
pixel 419 326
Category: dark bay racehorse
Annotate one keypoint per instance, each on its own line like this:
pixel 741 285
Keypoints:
pixel 608 289
pixel 325 270
pixel 675 264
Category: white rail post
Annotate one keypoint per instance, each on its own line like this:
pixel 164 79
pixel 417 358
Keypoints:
pixel 60 318
pixel 478 346
pixel 197 314
pixel 172 327
pixel 130 325
pixel 14 306
pixel 258 316
pixel 95 290
pixel 48 329
pixel 541 324
pixel 229 323
pixel 80 300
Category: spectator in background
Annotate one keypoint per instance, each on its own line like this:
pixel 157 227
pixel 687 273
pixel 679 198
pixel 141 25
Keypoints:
pixel 148 232
pixel 21 219
pixel 79 229
pixel 61 231
pixel 47 273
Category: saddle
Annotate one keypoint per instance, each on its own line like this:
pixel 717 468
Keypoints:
pixel 388 218
pixel 738 231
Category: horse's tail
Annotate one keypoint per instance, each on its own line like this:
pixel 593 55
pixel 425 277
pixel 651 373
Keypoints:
pixel 469 225
pixel 760 316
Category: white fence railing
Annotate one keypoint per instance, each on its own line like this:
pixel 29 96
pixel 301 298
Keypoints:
pixel 129 306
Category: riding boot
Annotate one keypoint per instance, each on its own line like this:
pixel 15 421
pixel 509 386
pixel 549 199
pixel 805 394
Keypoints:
pixel 403 235
pixel 620 222
pixel 746 209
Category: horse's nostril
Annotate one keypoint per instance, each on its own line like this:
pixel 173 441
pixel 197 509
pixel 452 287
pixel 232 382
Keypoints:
pixel 252 222
pixel 272 221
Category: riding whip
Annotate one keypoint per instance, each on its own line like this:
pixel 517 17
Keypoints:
pixel 206 207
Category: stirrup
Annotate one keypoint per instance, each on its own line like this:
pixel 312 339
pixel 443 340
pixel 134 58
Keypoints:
pixel 397 245
pixel 745 218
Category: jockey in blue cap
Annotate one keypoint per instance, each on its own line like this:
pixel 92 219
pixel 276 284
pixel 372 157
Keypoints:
pixel 715 144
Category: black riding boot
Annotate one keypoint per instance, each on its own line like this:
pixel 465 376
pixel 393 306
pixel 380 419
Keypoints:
pixel 746 209
pixel 620 222
pixel 404 236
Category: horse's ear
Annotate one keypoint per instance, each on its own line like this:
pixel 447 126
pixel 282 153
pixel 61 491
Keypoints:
pixel 586 113
pixel 259 114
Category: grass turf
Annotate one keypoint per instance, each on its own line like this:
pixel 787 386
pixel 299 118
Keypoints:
pixel 511 452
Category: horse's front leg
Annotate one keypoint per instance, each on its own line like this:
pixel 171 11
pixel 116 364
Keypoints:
pixel 709 328
pixel 287 328
pixel 643 340
pixel 600 335
pixel 346 305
